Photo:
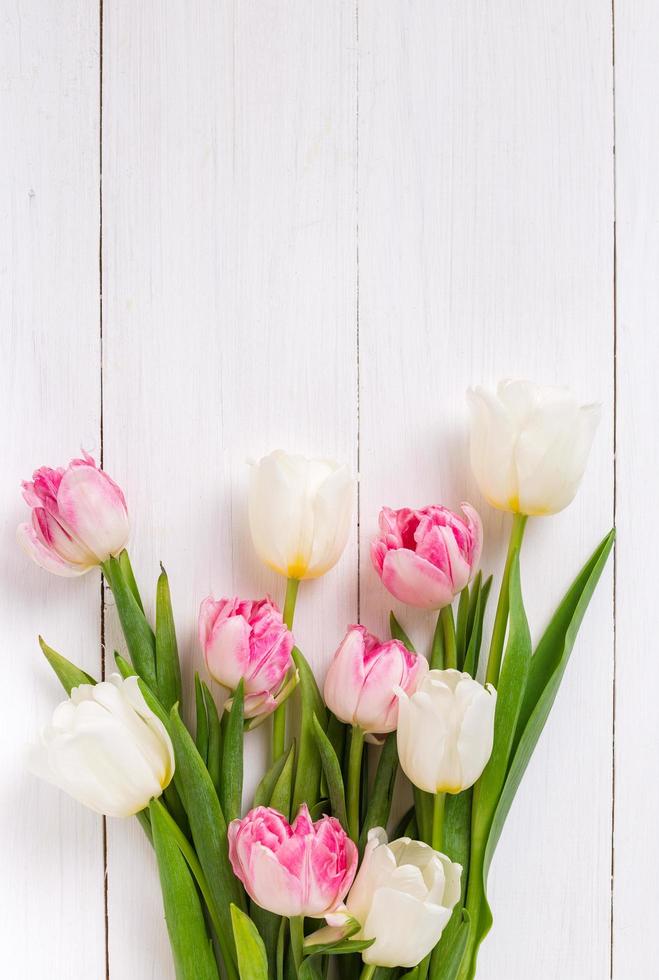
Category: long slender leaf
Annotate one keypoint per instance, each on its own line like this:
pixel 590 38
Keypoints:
pixel 191 945
pixel 214 754
pixel 332 771
pixel 231 777
pixel 308 769
pixel 207 823
pixel 168 667
pixel 282 791
pixel 398 633
pixel 139 636
pixel 268 925
pixel 68 674
pixel 461 627
pixel 446 960
pixel 252 957
pixel 379 804
pixel 263 793
pixel 437 646
pixel 472 657
pixel 423 805
pixel 474 592
pixel 201 735
pixel 129 576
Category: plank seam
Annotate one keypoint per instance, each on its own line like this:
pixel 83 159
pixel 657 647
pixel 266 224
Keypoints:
pixel 615 476
pixel 357 283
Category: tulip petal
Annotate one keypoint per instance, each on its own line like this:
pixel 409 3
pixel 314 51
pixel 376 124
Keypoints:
pixel 405 929
pixel 415 581
pixel 47 558
pixel 92 506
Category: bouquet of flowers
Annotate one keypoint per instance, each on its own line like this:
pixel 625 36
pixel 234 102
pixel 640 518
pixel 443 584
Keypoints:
pixel 243 891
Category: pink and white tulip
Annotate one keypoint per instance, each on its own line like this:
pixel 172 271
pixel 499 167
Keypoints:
pixel 426 557
pixel 360 682
pixel 301 869
pixel 248 640
pixel 79 518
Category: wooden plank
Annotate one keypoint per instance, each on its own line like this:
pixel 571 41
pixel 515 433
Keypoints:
pixel 636 889
pixel 53 921
pixel 230 302
pixel 485 219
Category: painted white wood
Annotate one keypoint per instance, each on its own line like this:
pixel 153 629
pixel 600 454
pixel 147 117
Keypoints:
pixel 636 891
pixel 486 223
pixel 52 921
pixel 230 312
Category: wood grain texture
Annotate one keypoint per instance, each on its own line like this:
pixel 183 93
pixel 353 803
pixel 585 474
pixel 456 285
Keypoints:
pixel 52 920
pixel 486 224
pixel 636 883
pixel 230 311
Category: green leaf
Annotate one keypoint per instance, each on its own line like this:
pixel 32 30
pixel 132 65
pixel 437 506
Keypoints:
pixel 138 634
pixel 125 669
pixel 231 777
pixel 461 626
pixel 379 803
pixel 476 634
pixel 214 755
pixel 474 592
pixel 332 771
pixel 129 577
pixel 545 674
pixel 68 674
pixel 437 647
pixel 191 946
pixel 201 736
pixel 308 769
pixel 423 805
pixel 168 668
pixel 207 823
pixel 283 788
pixel 398 633
pixel 252 957
pixel 263 793
pixel 446 958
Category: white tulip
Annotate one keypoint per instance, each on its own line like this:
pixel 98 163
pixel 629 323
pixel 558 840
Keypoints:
pixel 445 731
pixel 402 897
pixel 299 513
pixel 106 748
pixel 529 445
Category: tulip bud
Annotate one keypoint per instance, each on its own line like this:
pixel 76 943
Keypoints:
pixel 362 678
pixel 249 640
pixel 529 445
pixel 426 557
pixel 106 748
pixel 79 518
pixel 402 898
pixel 446 731
pixel 300 869
pixel 299 513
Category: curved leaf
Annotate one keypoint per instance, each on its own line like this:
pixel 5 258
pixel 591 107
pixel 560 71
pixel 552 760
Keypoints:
pixel 252 958
pixel 332 771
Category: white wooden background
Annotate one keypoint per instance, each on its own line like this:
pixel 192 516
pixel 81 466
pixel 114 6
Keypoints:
pixel 227 227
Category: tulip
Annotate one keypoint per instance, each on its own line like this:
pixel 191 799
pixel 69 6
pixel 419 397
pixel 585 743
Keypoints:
pixel 247 639
pixel 303 869
pixel 529 445
pixel 106 748
pixel 403 897
pixel 79 518
pixel 426 557
pixel 360 682
pixel 445 731
pixel 299 513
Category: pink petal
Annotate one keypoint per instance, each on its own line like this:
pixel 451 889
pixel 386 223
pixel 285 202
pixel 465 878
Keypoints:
pixel 415 581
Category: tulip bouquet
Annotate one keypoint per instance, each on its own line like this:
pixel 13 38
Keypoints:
pixel 244 888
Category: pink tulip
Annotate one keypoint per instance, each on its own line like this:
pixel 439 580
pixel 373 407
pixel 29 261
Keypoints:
pixel 426 557
pixel 79 518
pixel 360 683
pixel 303 869
pixel 249 640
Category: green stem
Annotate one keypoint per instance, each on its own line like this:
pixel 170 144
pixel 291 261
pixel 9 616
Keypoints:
pixel 354 779
pixel 438 821
pixel 281 949
pixel 503 605
pixel 296 923
pixel 368 972
pixel 448 629
pixel 279 717
pixel 190 856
